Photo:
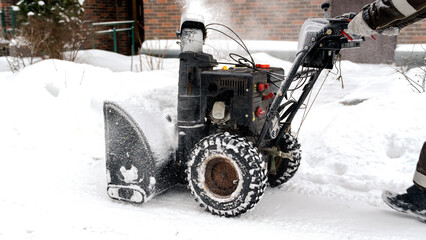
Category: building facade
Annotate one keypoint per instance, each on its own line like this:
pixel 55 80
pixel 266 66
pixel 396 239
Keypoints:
pixel 252 19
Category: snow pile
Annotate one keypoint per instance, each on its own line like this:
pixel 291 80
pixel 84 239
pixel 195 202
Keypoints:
pixel 121 63
pixel 411 48
pixel 69 97
pixel 366 140
pixel 356 141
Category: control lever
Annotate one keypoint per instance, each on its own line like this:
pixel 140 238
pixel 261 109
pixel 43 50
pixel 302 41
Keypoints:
pixel 325 6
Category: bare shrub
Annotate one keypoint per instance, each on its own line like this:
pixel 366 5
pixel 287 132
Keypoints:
pixel 48 29
pixel 152 54
pixel 416 80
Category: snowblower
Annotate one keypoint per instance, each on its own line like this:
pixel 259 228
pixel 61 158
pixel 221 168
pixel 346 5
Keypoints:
pixel 233 125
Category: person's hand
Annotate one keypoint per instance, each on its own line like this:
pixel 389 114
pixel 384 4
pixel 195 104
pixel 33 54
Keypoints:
pixel 359 27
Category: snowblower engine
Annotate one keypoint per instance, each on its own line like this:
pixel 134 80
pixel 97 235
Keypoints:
pixel 233 100
pixel 233 124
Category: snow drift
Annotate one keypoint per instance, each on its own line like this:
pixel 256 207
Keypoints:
pixel 356 142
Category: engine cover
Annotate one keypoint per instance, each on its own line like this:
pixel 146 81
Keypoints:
pixel 245 92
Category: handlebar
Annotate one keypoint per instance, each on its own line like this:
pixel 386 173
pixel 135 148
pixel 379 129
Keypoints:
pixel 319 41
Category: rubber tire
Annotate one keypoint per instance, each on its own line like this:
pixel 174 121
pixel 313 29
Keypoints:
pixel 289 166
pixel 244 156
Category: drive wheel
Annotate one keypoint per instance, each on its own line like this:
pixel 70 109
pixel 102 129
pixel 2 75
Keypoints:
pixel 226 174
pixel 281 169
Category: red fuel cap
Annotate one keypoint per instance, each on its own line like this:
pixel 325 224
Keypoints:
pixel 270 95
pixel 259 112
pixel 261 87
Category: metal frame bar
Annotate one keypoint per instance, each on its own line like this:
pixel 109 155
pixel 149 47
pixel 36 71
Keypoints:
pixel 114 32
pixel 12 21
pixel 3 22
pixel 306 90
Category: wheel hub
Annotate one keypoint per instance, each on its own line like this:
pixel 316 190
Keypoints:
pixel 221 176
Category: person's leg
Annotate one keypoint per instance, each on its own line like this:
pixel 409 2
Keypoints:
pixel 414 201
pixel 420 174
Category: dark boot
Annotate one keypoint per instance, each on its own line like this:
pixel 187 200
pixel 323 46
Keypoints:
pixel 420 174
pixel 413 202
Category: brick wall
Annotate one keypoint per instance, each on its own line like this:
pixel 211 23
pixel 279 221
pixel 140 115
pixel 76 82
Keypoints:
pixel 161 18
pixel 105 11
pixel 271 20
pixel 251 19
pixel 415 33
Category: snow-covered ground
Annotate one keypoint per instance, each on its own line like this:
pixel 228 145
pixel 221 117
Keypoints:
pixel 356 142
